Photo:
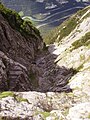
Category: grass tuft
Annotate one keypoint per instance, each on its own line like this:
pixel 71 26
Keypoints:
pixel 6 94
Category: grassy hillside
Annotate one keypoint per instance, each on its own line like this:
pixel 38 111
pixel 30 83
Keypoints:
pixel 66 27
pixel 84 41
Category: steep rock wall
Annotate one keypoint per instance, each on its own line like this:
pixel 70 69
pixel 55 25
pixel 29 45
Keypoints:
pixel 19 42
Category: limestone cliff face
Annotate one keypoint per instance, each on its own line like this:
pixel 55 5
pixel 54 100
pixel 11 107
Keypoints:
pixel 19 42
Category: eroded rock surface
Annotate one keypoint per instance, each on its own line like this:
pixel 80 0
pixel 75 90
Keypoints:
pixel 13 75
pixel 19 44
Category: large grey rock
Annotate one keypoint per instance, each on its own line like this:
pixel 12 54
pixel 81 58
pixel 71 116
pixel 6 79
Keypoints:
pixel 13 75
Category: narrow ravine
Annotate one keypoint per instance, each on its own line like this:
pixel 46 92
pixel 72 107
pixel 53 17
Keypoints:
pixel 52 77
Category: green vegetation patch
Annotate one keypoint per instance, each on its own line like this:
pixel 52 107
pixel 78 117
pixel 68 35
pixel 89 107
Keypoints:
pixel 6 94
pixel 21 99
pixel 62 31
pixel 51 37
pixel 84 41
pixel 45 114
pixel 11 94
pixel 71 24
pixel 24 27
pixel 80 67
pixel 21 13
pixel 88 116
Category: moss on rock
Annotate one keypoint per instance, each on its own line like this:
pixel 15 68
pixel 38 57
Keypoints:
pixel 17 23
pixel 6 94
pixel 84 41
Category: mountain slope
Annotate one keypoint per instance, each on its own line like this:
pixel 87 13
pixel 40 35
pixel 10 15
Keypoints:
pixel 63 76
pixel 73 51
pixel 67 26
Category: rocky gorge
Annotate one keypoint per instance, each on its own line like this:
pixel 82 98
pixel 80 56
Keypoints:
pixel 39 82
